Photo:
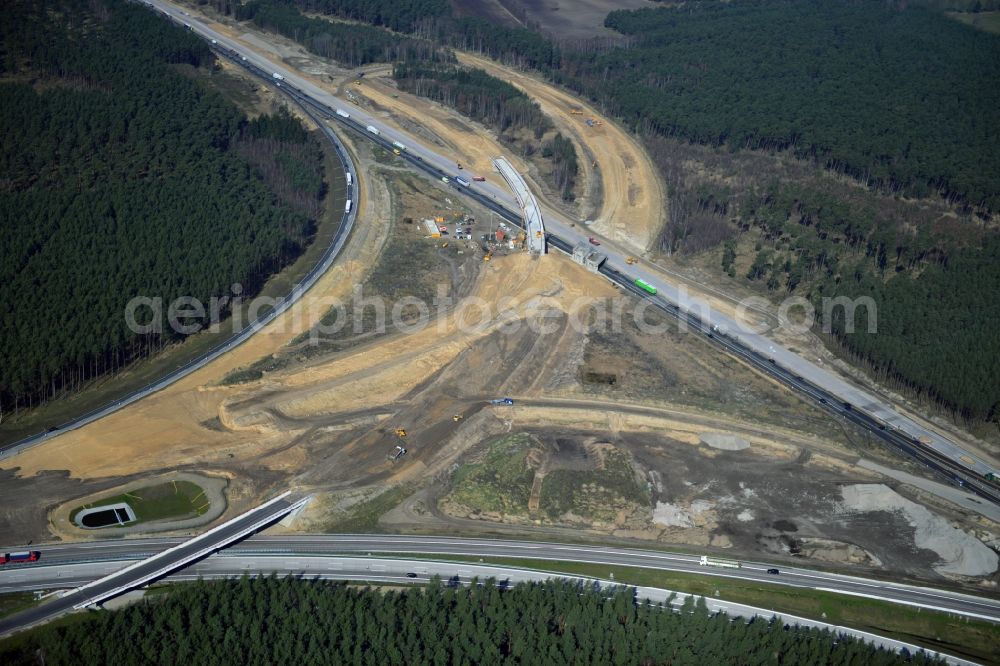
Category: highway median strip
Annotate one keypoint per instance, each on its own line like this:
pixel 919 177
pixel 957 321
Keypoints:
pixel 962 636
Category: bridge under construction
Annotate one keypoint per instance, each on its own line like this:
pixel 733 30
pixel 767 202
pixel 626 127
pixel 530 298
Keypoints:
pixel 530 211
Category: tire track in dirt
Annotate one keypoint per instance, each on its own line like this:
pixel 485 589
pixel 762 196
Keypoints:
pixel 633 206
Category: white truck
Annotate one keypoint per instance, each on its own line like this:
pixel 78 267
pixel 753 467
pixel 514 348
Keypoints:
pixel 277 77
pixel 707 561
pixel 350 178
pixel 397 144
pixel 461 181
pixel 373 130
pixel 343 114
pixel 347 206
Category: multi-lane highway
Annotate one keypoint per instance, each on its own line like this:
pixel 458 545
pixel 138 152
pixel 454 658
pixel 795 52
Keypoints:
pixel 407 570
pixel 61 563
pixel 110 580
pixel 857 404
pixel 329 256
pixel 951 461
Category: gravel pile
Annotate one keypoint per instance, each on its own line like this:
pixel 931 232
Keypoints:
pixel 961 554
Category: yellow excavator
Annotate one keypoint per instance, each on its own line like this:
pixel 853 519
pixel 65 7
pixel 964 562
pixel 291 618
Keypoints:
pixel 631 260
pixel 400 432
pixel 456 418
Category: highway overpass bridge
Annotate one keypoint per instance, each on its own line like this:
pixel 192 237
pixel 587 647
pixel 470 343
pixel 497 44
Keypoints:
pixel 534 227
pixel 830 391
pixel 157 566
pixel 390 560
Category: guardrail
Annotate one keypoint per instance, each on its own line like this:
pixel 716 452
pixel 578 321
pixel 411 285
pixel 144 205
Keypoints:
pixel 534 227
pixel 326 260
pixel 187 559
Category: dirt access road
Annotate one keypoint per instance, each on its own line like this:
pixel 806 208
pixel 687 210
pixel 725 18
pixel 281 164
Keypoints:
pixel 623 194
pixel 632 209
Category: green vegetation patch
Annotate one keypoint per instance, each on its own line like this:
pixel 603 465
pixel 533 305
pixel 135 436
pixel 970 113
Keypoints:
pixel 171 500
pixel 599 494
pixel 124 176
pixel 985 21
pixel 806 77
pixel 501 482
pixel 363 516
pixel 973 639
pixel 347 43
pixel 254 371
pixel 295 621
pixel 15 602
pixel 473 93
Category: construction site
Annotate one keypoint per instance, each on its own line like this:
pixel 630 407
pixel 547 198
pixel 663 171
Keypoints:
pixel 610 433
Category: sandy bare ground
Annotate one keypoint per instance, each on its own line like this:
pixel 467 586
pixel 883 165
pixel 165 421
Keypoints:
pixel 628 205
pixel 633 207
pixel 166 429
pixel 171 428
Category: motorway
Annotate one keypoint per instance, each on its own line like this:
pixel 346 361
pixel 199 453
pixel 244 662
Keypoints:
pixel 400 570
pixel 952 462
pixel 831 391
pixel 317 271
pixel 66 565
pixel 110 581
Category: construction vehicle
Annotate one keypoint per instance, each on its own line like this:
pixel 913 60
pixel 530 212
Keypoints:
pixel 395 151
pixel 445 244
pixel 488 256
pixel 396 453
pixel 400 432
pixel 631 260
pixel 456 418
pixel 576 112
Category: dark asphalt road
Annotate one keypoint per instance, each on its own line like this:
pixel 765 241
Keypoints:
pixel 58 560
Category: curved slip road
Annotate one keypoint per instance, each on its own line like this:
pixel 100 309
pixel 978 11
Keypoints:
pixel 330 558
pixel 944 456
pixel 304 285
pixel 564 233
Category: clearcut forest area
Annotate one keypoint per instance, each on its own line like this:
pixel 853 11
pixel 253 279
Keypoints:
pixel 893 97
pixel 426 68
pixel 295 621
pixel 125 175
